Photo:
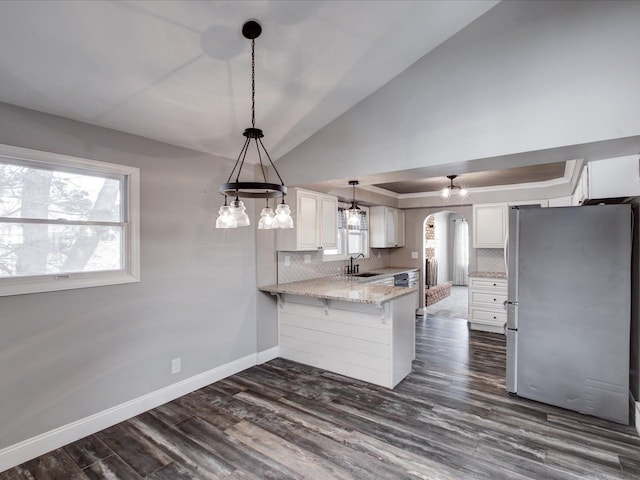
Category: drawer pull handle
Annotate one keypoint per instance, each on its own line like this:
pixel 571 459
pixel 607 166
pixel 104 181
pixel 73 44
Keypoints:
pixel 494 299
pixel 494 318
pixel 494 285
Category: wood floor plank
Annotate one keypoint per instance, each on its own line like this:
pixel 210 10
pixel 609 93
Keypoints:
pixel 307 464
pixel 18 473
pixel 140 453
pixel 56 465
pixel 111 468
pixel 87 450
pixel 182 449
pixel 242 457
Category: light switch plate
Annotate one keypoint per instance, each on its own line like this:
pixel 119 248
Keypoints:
pixel 307 258
pixel 414 255
pixel 287 261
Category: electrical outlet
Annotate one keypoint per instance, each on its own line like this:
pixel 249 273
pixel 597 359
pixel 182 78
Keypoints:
pixel 176 366
pixel 307 258
pixel 414 255
pixel 287 261
pixel 379 254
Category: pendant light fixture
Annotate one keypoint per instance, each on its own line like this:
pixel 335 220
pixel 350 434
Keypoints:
pixel 353 214
pixel 453 189
pixel 234 215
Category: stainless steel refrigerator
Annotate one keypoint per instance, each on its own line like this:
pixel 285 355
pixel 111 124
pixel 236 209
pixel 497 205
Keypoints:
pixel 568 307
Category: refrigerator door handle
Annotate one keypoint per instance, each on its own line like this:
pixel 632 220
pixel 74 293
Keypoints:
pixel 506 255
pixel 506 304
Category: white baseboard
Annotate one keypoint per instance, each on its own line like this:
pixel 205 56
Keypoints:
pixel 58 437
pixel 267 355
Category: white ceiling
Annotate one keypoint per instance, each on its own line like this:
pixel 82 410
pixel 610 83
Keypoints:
pixel 179 71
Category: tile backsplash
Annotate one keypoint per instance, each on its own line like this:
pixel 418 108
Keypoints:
pixel 490 259
pixel 299 270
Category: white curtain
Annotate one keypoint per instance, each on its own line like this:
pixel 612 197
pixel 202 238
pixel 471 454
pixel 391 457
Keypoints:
pixel 460 252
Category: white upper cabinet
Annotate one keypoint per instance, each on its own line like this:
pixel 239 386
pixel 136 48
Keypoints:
pixel 561 202
pixel 315 218
pixel 328 221
pixel 614 177
pixel 489 225
pixel 386 227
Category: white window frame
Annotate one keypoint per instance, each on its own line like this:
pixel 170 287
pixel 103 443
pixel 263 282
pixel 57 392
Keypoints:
pixel 131 221
pixel 344 240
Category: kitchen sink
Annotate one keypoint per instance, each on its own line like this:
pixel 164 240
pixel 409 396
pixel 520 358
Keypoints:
pixel 365 274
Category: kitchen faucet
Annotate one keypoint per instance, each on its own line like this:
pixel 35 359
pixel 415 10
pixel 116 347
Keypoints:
pixel 354 268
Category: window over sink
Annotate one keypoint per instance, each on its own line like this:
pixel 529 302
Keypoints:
pixel 351 241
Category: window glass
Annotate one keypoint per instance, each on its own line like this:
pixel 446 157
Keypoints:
pixel 351 241
pixel 27 192
pixel 45 249
pixel 66 222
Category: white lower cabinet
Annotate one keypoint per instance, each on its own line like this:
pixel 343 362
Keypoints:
pixel 486 304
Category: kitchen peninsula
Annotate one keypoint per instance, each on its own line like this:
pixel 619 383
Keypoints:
pixel 348 326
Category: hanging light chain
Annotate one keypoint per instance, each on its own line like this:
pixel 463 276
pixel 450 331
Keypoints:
pixel 253 82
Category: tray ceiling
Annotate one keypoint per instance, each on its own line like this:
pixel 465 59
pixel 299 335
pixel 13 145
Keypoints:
pixel 505 176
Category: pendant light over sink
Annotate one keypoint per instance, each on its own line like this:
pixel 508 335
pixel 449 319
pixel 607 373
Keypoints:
pixel 453 189
pixel 353 214
pixel 234 215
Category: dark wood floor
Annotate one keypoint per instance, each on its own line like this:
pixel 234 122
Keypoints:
pixel 450 419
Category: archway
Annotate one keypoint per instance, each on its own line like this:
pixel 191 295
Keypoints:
pixel 446 264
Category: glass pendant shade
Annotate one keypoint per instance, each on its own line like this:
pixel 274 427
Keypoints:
pixel 267 219
pixel 283 216
pixel 353 214
pixel 353 217
pixel 238 212
pixel 446 192
pixel 225 219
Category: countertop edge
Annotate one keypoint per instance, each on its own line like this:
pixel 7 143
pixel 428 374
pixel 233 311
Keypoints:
pixel 275 289
pixel 480 274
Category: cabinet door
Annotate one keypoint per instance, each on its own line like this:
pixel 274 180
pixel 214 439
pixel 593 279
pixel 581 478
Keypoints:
pixel 377 228
pixel 328 221
pixel 399 228
pixel 613 177
pixel 307 221
pixel 560 202
pixel 489 225
pixel 390 227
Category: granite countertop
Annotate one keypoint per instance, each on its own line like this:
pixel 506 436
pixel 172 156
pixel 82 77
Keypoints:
pixel 341 288
pixel 502 275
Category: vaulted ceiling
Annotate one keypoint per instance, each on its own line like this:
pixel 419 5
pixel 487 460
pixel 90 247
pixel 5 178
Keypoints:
pixel 179 72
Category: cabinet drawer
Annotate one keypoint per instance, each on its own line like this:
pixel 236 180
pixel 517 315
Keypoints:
pixel 500 285
pixel 485 316
pixel 484 298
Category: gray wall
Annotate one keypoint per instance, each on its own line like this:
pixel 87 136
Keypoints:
pixel 525 76
pixel 65 355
